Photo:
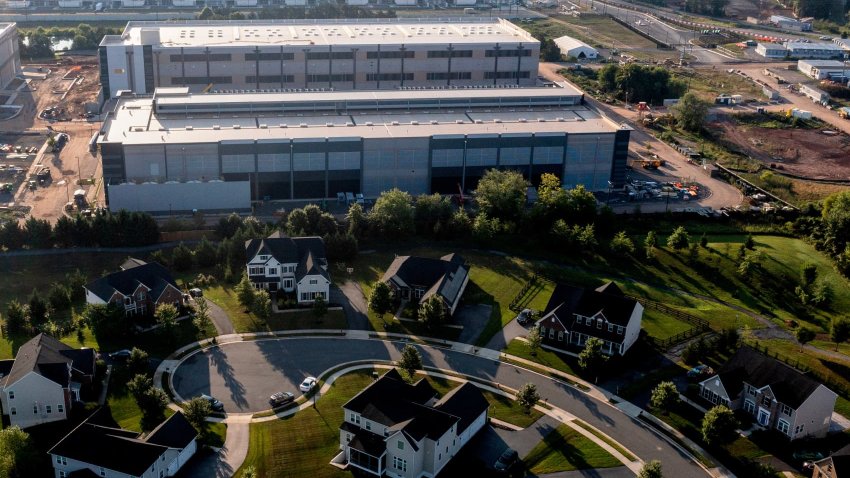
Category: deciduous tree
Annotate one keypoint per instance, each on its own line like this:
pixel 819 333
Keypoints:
pixel 196 411
pixel 380 300
pixel 591 358
pixel 718 426
pixel 392 215
pixel 527 397
pixel 690 112
pixel 261 306
pixel 664 396
pixel 432 312
pixel 534 339
pixel 166 317
pixel 502 194
pixel 411 361
pixel 650 469
pixel 678 239
pixel 246 292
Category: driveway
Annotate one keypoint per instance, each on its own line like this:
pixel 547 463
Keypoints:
pixel 504 336
pixel 473 318
pixel 243 374
pixel 224 463
pixel 220 319
pixel 353 302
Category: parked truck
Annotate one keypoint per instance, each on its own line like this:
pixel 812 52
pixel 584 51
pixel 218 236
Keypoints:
pixel 815 94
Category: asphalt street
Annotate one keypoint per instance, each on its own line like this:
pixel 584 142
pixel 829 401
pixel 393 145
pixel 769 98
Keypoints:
pixel 244 374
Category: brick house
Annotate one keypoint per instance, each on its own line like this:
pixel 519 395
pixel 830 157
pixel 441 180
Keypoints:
pixel 139 287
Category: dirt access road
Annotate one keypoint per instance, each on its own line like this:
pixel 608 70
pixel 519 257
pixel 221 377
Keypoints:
pixel 720 193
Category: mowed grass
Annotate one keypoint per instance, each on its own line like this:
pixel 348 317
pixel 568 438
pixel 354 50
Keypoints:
pixel 545 357
pixel 565 449
pixel 662 326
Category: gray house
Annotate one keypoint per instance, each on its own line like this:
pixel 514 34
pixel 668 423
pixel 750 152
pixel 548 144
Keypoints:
pixel 778 396
pixel 399 430
pixel 418 278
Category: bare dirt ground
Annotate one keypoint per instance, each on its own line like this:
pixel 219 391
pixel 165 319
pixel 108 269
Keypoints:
pixel 74 161
pixel 804 152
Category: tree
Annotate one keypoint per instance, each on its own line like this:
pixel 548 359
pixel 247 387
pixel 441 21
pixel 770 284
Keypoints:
pixel 534 339
pixel 621 244
pixel 679 239
pixel 804 335
pixel 153 404
pixel 246 292
pixel 650 243
pixel 718 426
pixel 181 258
pixel 431 213
pixel 432 312
pixel 59 296
pixel 16 318
pixel 341 247
pixel 502 194
pixel 690 112
pixel 196 411
pixel 750 243
pixel 202 319
pixel 107 321
pixel 835 217
pixel 839 330
pixel 138 385
pixel 485 228
pixel 137 362
pixel 380 300
pixel 651 469
pixel 551 201
pixel 18 458
pixel 693 253
pixel 205 253
pixel 591 357
pixel 166 317
pixel 37 309
pixel 38 233
pixel 320 307
pixel 261 306
pixel 664 396
pixel 357 221
pixel 392 215
pixel 527 397
pixel 411 360
pixel 703 241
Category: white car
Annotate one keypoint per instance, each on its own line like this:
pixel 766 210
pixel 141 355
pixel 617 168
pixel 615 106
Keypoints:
pixel 307 384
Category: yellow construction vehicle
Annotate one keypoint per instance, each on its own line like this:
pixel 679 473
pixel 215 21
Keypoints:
pixel 207 88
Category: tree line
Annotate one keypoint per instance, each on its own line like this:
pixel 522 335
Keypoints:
pixel 103 229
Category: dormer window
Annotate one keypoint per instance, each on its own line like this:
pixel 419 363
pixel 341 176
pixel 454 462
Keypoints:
pixel 264 257
pixel 610 327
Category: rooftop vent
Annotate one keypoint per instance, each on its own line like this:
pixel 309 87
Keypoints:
pixel 189 128
pixel 264 126
pixel 216 127
pixel 236 126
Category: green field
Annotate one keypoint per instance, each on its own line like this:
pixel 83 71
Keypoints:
pixel 565 449
pixel 662 326
pixel 595 30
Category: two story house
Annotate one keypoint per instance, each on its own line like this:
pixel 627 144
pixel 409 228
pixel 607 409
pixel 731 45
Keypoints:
pixel 836 465
pixel 418 278
pixel 400 430
pixel 778 396
pixel 139 287
pixel 43 381
pixel 575 314
pixel 290 264
pixel 102 451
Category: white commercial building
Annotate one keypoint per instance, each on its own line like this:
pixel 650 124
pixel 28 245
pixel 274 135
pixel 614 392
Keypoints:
pixel 307 145
pixel 10 57
pixel 570 47
pixel 801 50
pixel 317 54
pixel 771 50
pixel 788 23
pixel 823 69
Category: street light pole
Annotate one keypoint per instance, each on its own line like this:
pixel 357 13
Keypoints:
pixel 79 173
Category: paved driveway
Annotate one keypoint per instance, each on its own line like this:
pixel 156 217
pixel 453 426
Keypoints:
pixel 244 374
pixel 353 302
pixel 473 318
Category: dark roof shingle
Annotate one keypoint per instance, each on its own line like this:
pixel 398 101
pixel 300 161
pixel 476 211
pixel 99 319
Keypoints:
pixel 152 275
pixel 175 432
pixel 109 448
pixel 465 402
pixel 50 358
pixel 608 300
pixel 444 276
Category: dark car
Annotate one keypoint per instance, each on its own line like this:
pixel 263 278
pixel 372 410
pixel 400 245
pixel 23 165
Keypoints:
pixel 507 460
pixel 215 404
pixel 281 398
pixel 525 317
pixel 123 354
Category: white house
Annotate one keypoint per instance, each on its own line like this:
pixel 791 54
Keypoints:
pixel 571 47
pixel 43 381
pixel 96 450
pixel 291 264
pixel 400 430
pixel 575 314
pixel 778 396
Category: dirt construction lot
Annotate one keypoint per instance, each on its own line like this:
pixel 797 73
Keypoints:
pixel 804 152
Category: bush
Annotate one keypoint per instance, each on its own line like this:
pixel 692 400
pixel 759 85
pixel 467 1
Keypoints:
pixel 622 245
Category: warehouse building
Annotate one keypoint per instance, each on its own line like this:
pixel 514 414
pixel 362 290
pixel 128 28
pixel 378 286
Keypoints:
pixel 788 23
pixel 10 57
pixel 210 151
pixel 331 54
pixel 803 50
pixel 823 69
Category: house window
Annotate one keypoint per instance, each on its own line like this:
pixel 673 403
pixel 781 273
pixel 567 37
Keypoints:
pixel 588 321
pixel 783 426
pixel 14 411
pixel 48 409
pixel 786 410
pixel 161 473
pixel 60 408
pixel 749 406
pixel 35 409
pixel 551 333
pixel 103 472
pixel 798 429
pixel 765 401
pixel 560 336
pixel 256 271
pixel 61 460
pixel 368 425
pixel 543 331
pixel 287 284
pixel 598 323
pixel 620 330
pixel 355 418
pixel 751 390
pixel 313 281
pixel 63 474
pixel 128 300
pixel 400 445
pixel 348 438
pixel 400 464
pixel 610 327
pixel 264 257
pixel 272 271
pixel 11 395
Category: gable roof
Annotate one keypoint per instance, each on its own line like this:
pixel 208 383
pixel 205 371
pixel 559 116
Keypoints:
pixel 840 461
pixel 152 275
pixel 307 252
pixel 112 448
pixel 50 358
pixel 466 402
pixel 175 432
pixel 387 400
pixel 789 385
pixel 444 276
pixel 130 263
pixel 607 300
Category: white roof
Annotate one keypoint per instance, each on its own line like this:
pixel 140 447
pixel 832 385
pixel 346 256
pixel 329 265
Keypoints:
pixel 822 63
pixel 796 45
pixel 566 43
pixel 322 32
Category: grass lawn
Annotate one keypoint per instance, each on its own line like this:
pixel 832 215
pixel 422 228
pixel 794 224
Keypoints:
pixel 565 449
pixel 661 326
pixel 545 357
pixel 823 366
pixel 604 438
pixel 214 434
